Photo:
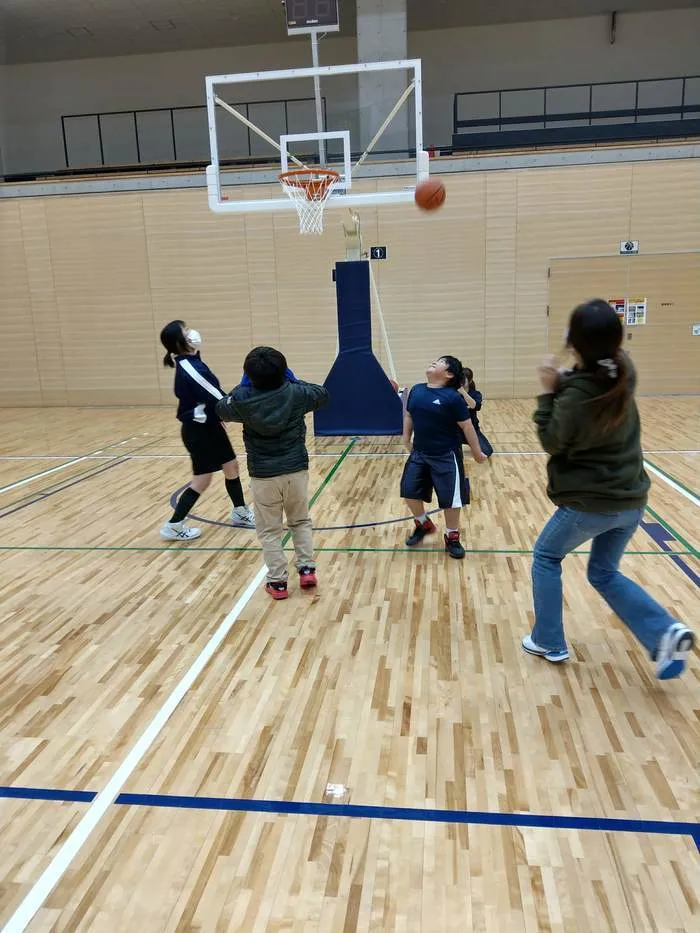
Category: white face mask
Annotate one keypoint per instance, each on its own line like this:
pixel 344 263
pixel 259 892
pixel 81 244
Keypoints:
pixel 194 338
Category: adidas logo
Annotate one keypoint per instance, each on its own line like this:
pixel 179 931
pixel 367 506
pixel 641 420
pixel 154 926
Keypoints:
pixel 436 401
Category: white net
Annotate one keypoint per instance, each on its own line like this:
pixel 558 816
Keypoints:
pixel 309 190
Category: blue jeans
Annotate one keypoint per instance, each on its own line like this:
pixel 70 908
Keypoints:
pixel 566 530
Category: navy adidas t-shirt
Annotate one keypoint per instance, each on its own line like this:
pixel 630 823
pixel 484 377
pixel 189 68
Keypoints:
pixel 436 414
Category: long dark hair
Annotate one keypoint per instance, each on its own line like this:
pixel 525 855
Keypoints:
pixel 595 333
pixel 173 339
pixel 469 379
pixel 454 366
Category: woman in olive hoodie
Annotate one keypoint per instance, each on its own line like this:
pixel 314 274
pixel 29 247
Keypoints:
pixel 588 423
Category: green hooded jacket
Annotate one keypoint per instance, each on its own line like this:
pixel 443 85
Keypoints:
pixel 274 429
pixel 589 469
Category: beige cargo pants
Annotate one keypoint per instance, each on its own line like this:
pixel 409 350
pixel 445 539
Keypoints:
pixel 274 498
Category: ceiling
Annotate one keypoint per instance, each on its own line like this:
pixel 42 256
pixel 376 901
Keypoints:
pixel 51 30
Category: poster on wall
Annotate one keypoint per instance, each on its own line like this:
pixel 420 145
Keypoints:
pixel 619 306
pixel 636 311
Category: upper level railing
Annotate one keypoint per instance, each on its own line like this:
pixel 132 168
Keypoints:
pixel 611 110
pixel 176 135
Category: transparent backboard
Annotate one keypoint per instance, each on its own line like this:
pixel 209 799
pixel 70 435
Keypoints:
pixel 287 129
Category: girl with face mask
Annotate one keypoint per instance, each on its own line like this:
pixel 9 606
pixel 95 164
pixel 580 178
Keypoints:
pixel 198 390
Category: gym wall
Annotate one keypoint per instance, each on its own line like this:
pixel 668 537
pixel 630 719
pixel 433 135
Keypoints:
pixel 89 280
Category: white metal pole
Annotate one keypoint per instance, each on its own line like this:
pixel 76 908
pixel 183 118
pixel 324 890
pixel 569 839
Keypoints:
pixel 214 175
pixel 421 167
pixel 382 325
pixel 319 103
pixel 256 129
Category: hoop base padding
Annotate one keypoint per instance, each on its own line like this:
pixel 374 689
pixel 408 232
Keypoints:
pixel 362 399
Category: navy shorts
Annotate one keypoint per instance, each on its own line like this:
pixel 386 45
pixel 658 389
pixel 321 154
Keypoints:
pixel 424 473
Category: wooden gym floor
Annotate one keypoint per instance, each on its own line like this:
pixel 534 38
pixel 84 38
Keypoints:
pixel 160 772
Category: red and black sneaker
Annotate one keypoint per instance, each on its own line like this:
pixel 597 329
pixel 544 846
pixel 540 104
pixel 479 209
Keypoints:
pixel 277 590
pixel 307 578
pixel 420 531
pixel 453 546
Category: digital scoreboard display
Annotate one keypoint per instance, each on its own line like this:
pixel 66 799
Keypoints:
pixel 311 14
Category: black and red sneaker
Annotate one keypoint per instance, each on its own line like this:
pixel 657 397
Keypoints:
pixel 420 531
pixel 307 578
pixel 453 545
pixel 277 590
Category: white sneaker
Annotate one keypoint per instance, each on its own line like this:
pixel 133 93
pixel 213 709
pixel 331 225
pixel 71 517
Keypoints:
pixel 554 657
pixel 179 531
pixel 671 655
pixel 242 517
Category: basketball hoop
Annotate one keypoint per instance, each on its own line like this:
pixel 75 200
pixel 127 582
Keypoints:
pixel 309 189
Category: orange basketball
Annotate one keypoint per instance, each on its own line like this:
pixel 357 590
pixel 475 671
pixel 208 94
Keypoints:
pixel 430 194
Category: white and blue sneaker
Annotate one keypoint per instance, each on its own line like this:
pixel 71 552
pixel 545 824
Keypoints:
pixel 179 531
pixel 242 517
pixel 555 657
pixel 672 654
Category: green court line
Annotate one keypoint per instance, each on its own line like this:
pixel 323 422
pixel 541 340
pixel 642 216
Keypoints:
pixel 326 480
pixel 693 551
pixel 673 478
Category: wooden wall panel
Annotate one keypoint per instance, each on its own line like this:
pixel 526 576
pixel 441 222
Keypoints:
pixel 19 373
pixel 665 209
pixel 573 211
pixel 88 281
pixel 500 296
pixel 198 273
pixel 46 328
pixel 665 354
pixel 100 267
pixel 432 285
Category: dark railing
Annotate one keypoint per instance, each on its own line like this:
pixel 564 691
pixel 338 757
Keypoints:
pixel 176 136
pixel 569 113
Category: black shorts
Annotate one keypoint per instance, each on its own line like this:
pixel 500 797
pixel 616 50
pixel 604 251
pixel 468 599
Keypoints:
pixel 444 474
pixel 208 446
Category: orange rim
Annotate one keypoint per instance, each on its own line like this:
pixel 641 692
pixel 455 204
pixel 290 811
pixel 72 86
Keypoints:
pixel 315 182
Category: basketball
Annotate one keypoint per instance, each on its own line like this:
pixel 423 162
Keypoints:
pixel 430 194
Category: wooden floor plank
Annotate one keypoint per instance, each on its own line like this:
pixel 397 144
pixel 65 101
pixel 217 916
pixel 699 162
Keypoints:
pixel 401 678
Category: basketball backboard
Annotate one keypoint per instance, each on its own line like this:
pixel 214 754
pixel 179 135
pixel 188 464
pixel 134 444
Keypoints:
pixel 335 145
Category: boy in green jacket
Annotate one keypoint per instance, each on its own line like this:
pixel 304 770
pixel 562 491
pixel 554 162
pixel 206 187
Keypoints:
pixel 271 410
pixel 588 423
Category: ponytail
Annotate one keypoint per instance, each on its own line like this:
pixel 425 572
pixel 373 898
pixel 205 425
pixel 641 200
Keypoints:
pixel 609 409
pixel 595 333
pixel 174 341
pixel 469 378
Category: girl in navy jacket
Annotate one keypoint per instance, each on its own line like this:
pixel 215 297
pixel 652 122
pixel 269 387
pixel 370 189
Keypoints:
pixel 205 438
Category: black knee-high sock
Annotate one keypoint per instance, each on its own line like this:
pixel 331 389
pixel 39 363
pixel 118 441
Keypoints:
pixel 235 491
pixel 184 504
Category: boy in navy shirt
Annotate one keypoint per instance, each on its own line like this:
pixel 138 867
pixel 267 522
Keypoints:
pixel 438 418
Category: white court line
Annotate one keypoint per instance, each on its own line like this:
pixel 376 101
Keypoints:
pixel 22 917
pixel 63 466
pixel 672 483
pixel 359 453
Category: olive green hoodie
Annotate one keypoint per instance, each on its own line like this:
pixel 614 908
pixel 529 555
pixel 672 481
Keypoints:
pixel 589 469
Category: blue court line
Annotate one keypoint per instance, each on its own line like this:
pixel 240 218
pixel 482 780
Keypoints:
pixel 358 811
pixel 661 536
